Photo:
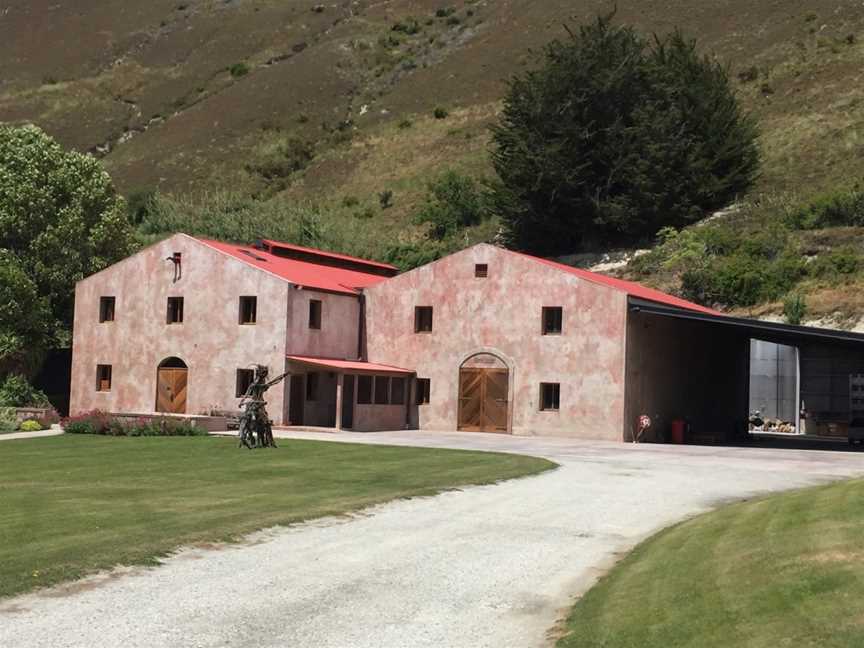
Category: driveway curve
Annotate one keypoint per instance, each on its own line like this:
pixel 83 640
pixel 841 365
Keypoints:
pixel 484 566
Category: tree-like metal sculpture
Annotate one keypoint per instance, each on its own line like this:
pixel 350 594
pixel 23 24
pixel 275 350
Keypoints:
pixel 256 428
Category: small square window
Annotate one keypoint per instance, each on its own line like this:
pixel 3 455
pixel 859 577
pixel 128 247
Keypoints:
pixel 481 270
pixel 550 396
pixel 248 310
pixel 244 379
pixel 103 377
pixel 364 390
pixel 314 314
pixel 312 387
pixel 175 310
pixel 553 319
pixel 382 390
pixel 397 391
pixel 423 391
pixel 106 309
pixel 422 319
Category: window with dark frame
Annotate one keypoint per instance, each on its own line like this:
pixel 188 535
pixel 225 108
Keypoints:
pixel 103 377
pixel 312 386
pixel 397 391
pixel 422 319
pixel 315 314
pixel 175 310
pixel 244 379
pixel 248 309
pixel 382 390
pixel 364 390
pixel 553 319
pixel 423 391
pixel 481 270
pixel 550 397
pixel 106 309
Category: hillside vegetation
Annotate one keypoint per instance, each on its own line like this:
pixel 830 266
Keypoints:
pixel 347 112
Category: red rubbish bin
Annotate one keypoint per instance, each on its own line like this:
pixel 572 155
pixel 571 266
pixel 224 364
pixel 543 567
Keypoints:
pixel 678 427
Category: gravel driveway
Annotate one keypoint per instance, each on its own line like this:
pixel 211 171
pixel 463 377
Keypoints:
pixel 486 566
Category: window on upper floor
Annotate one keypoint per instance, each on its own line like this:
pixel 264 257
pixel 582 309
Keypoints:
pixel 422 319
pixel 553 319
pixel 315 314
pixel 103 377
pixel 106 309
pixel 244 379
pixel 550 397
pixel 175 310
pixel 248 310
pixel 423 391
pixel 364 390
pixel 481 270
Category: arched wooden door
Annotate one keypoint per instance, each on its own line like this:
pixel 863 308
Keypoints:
pixel 171 382
pixel 483 394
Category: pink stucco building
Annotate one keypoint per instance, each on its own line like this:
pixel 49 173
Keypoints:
pixel 483 340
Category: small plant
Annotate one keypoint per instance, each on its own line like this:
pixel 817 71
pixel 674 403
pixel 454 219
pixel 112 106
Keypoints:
pixel 409 26
pixel 850 39
pixel 366 213
pixel 443 12
pixel 794 309
pixel 92 422
pixel 30 425
pixel 238 70
pixel 766 89
pixel 811 16
pixel 405 123
pixel 319 8
pixel 749 74
pixel 8 419
pixel 49 419
pixel 350 201
pixel 440 113
pixel 385 199
pixel 453 20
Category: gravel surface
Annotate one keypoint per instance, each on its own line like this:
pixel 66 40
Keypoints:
pixel 485 566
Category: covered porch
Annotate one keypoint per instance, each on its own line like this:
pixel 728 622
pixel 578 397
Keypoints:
pixel 347 394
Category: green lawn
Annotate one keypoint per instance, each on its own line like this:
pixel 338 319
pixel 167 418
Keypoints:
pixel 71 505
pixel 787 570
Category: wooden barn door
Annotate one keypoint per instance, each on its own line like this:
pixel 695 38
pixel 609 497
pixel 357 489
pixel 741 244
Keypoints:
pixel 171 390
pixel 483 399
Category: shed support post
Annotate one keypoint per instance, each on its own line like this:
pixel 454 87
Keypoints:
pixel 340 382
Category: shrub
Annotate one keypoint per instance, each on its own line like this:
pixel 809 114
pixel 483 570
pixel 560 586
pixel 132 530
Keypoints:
pixel 92 422
pixel 385 199
pixel 350 201
pixel 842 208
pixel 98 422
pixel 17 392
pixel 238 70
pixel 8 419
pixel 443 12
pixel 30 425
pixel 794 309
pixel 748 74
pixel 453 203
pixel 49 419
pixel 440 113
pixel 409 26
pixel 405 123
pixel 280 158
pixel 836 264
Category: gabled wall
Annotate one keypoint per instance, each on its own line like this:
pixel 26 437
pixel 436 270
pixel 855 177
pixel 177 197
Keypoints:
pixel 501 314
pixel 210 340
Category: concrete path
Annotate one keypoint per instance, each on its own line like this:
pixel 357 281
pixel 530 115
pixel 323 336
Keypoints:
pixel 11 436
pixel 485 566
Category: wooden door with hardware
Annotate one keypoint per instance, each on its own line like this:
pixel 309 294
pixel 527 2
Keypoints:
pixel 171 390
pixel 483 399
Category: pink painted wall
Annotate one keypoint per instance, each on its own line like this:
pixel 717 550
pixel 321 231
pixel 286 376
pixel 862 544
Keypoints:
pixel 210 340
pixel 502 315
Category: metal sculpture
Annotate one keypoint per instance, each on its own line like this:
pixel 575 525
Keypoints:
pixel 256 428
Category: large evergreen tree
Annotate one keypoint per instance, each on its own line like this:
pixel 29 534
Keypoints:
pixel 616 136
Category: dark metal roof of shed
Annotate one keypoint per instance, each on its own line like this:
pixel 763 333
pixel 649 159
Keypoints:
pixel 771 331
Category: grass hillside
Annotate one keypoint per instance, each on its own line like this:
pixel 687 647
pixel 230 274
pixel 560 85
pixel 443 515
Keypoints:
pixel 329 105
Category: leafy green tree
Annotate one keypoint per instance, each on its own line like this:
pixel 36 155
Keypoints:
pixel 616 136
pixel 60 220
pixel 25 331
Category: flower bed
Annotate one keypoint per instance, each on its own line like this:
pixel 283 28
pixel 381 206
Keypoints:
pixel 99 422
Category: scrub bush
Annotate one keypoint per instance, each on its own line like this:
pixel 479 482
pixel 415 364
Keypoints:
pixel 838 209
pixel 30 425
pixel 453 203
pixel 17 392
pixel 794 309
pixel 8 420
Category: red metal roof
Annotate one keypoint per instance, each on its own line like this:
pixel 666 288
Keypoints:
pixel 302 273
pixel 630 287
pixel 348 365
pixel 329 255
